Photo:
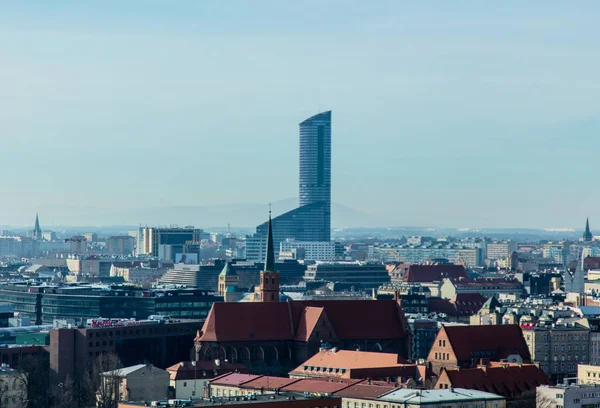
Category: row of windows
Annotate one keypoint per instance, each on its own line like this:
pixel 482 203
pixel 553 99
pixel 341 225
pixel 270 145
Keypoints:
pixel 442 356
pixel 150 330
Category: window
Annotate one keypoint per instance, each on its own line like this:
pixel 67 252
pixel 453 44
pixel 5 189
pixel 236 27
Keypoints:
pixel 185 384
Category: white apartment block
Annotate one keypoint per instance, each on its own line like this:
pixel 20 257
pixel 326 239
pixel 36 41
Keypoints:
pixel 313 250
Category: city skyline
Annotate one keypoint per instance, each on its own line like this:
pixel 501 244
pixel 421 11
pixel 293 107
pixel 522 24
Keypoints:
pixel 490 107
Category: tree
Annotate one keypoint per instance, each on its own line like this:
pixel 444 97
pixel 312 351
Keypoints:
pixel 104 382
pixel 4 390
pixel 33 379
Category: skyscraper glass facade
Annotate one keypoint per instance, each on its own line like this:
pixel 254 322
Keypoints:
pixel 311 221
pixel 315 171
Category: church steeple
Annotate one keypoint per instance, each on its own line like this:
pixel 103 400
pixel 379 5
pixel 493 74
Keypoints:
pixel 587 235
pixel 270 258
pixel 37 231
pixel 268 291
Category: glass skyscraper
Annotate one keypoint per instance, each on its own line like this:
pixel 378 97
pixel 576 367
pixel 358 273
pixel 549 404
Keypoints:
pixel 311 221
pixel 315 170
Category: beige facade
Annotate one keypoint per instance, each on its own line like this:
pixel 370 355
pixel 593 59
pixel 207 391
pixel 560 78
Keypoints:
pixel 142 382
pixel 588 374
pixel 185 389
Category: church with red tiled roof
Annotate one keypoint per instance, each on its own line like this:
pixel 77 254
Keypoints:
pixel 274 337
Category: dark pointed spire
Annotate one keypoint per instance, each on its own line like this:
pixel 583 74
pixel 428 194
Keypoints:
pixel 270 258
pixel 587 235
pixel 37 231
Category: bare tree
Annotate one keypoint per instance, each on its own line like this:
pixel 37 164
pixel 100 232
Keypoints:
pixel 4 391
pixel 104 382
pixel 543 401
pixel 33 380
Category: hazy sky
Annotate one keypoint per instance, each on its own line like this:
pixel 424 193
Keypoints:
pixel 445 113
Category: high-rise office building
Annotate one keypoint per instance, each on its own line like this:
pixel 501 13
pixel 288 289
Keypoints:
pixel 311 221
pixel 166 243
pixel 315 171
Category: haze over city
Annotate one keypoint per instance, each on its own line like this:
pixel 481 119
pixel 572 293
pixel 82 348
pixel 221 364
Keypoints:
pixel 449 115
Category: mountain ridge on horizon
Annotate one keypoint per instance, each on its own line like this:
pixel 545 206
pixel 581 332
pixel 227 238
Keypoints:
pixel 240 215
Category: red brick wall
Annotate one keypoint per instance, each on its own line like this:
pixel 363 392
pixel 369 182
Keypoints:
pixel 441 354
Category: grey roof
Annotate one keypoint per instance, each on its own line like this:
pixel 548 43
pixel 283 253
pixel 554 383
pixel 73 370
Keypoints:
pixel 227 271
pixel 421 397
pixel 490 304
pixel 122 372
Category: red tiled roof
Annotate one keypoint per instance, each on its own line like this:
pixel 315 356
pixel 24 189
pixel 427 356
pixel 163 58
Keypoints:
pixel 203 369
pixel 468 304
pixel 350 319
pixel 268 383
pixel 439 305
pixel 491 341
pixel 317 386
pixel 357 319
pixel 248 322
pixel 431 273
pixel 308 321
pixel 233 379
pixel 350 360
pixel 367 391
pixel 591 262
pixel 509 380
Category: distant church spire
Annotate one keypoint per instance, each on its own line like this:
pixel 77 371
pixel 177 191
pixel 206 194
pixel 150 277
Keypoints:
pixel 587 235
pixel 37 231
pixel 270 258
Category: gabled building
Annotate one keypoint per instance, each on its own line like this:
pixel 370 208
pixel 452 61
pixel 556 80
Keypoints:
pixel 345 364
pixel 278 336
pixel 434 273
pixel 467 346
pixel 458 309
pixel 508 380
pixel 189 379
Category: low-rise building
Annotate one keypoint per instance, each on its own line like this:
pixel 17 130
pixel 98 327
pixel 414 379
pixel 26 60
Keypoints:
pixel 140 382
pixel 588 374
pixel 506 379
pixel 189 379
pixel 337 364
pixel 568 396
pixel 254 401
pixel 451 398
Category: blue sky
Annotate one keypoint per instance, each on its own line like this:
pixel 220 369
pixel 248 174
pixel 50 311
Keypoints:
pixel 459 114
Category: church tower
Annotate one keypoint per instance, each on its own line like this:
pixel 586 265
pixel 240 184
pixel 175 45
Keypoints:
pixel 575 282
pixel 587 235
pixel 269 277
pixel 228 284
pixel 37 231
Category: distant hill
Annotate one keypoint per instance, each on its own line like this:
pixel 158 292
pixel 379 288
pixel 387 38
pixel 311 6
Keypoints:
pixel 208 216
